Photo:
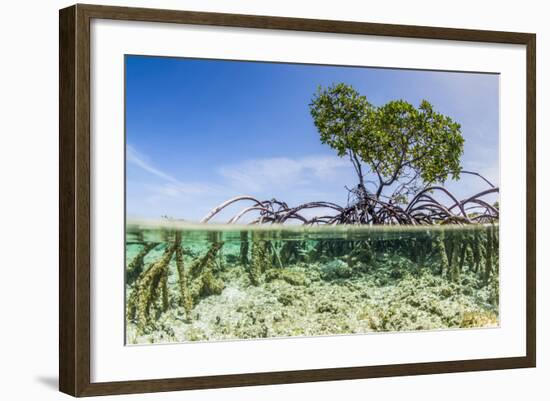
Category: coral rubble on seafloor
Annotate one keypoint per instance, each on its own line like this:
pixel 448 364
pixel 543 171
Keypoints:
pixel 259 287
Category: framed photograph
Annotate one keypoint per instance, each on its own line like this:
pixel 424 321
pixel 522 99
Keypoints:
pixel 250 200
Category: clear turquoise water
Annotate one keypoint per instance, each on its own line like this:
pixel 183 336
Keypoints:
pixel 221 282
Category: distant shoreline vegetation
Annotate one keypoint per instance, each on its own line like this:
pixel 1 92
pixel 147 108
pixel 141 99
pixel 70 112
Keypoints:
pixel 409 150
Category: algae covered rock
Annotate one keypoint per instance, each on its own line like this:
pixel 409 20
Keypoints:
pixel 335 269
pixel 327 307
pixel 286 298
pixel 479 318
pixel 290 276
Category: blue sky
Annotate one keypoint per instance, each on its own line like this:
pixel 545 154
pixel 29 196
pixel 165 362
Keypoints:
pixel 201 131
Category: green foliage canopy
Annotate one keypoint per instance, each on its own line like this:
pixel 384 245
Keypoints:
pixel 398 142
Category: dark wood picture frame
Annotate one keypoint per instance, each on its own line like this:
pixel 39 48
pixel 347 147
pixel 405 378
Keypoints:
pixel 74 200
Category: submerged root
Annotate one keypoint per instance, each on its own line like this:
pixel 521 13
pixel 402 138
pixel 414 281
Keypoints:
pixel 290 252
pixel 490 253
pixel 150 294
pixel 440 245
pixel 360 256
pixel 186 300
pixel 135 267
pixel 150 289
pixel 261 261
pixel 202 281
pixel 207 261
pixel 243 251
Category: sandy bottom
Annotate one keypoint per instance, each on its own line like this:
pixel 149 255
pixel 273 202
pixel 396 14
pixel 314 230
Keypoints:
pixel 329 299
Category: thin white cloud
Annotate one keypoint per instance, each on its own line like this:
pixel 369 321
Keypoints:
pixel 169 186
pixel 293 180
pixel 182 188
pixel 140 160
pixel 282 173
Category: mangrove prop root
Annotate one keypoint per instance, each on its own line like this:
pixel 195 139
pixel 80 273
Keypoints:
pixel 199 265
pixel 201 281
pixel 360 255
pixel 290 252
pixel 261 261
pixel 186 300
pixel 477 248
pixel 488 253
pixel 440 243
pixel 477 251
pixel 455 266
pixel 463 247
pixel 423 208
pixel 150 285
pixel 135 267
pixel 243 251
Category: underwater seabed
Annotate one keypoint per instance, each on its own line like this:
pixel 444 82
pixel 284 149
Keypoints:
pixel 203 283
